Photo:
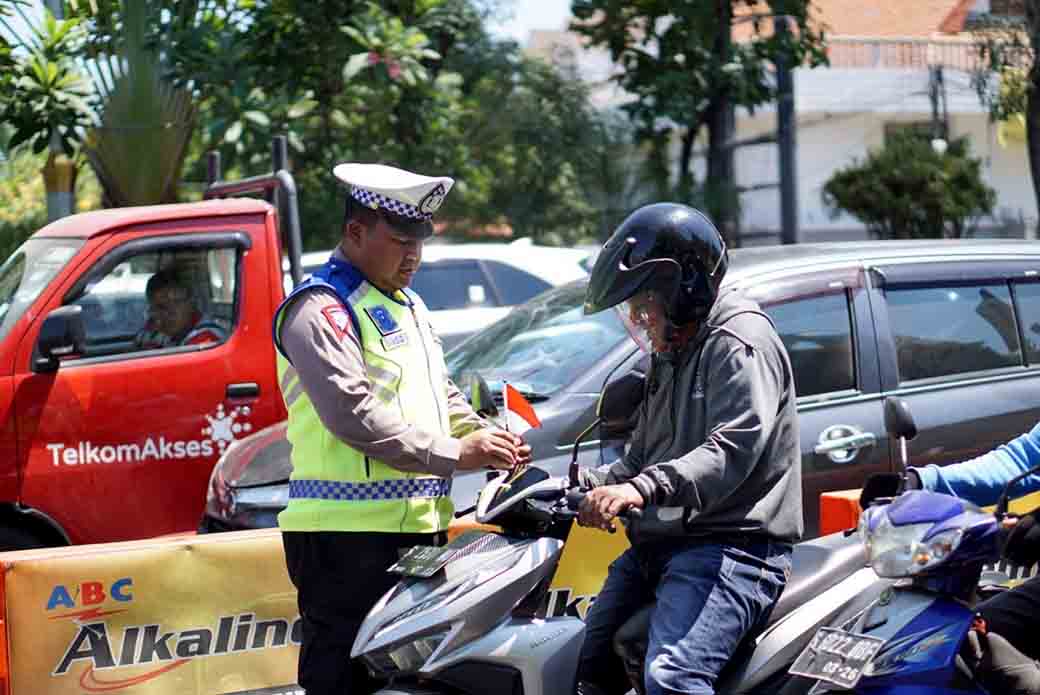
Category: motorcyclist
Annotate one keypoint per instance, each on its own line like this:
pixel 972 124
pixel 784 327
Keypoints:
pixel 981 480
pixel 714 460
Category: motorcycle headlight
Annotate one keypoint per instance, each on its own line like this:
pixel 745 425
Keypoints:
pixel 902 551
pixel 408 657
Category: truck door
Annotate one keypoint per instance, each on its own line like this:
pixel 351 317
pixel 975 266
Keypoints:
pixel 177 363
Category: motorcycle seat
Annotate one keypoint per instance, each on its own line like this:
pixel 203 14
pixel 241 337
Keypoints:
pixel 817 565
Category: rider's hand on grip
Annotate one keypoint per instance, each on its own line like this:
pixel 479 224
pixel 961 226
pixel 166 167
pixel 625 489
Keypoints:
pixel 1023 541
pixel 886 486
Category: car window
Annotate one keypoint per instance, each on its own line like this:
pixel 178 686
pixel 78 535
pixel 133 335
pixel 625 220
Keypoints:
pixel 941 331
pixel 817 333
pixel 542 345
pixel 161 299
pixel 452 286
pixel 1027 301
pixel 514 285
pixel 27 272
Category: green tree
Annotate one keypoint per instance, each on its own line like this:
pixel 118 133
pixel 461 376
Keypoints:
pixel 679 63
pixel 46 91
pixel 1008 77
pixel 906 190
pixel 138 147
pixel 417 83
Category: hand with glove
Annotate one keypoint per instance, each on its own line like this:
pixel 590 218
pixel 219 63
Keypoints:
pixel 887 485
pixel 1023 540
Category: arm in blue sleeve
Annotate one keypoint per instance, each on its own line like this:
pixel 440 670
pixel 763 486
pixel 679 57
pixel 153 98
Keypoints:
pixel 981 480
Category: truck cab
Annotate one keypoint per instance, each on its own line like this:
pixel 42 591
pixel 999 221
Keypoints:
pixel 109 427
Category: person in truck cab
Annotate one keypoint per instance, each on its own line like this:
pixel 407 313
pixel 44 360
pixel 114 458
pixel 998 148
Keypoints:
pixel 376 426
pixel 173 318
pixel 714 461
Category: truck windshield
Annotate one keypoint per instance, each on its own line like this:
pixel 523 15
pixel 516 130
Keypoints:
pixel 26 273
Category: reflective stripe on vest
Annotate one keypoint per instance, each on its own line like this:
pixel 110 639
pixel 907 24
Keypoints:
pixel 376 490
pixel 335 487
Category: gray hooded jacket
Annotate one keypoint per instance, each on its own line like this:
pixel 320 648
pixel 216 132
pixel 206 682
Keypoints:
pixel 716 448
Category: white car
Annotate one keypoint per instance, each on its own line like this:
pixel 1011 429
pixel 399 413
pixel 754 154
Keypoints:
pixel 469 286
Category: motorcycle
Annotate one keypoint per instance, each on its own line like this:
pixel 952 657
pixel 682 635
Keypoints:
pixel 934 548
pixel 473 617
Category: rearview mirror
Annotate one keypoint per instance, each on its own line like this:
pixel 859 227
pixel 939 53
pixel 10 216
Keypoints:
pixel 617 403
pixel 898 420
pixel 61 335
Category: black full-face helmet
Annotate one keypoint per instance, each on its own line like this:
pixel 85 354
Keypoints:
pixel 670 249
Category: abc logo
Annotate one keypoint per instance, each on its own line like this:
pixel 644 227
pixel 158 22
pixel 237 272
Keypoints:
pixel 89 594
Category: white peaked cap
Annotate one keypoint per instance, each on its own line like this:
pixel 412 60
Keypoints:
pixel 401 192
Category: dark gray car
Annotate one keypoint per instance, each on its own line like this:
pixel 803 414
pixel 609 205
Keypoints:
pixel 952 327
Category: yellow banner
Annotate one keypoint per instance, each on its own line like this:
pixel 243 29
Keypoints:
pixel 192 615
pixel 583 568
pixel 208 615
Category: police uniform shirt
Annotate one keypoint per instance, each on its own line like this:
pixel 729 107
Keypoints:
pixel 332 372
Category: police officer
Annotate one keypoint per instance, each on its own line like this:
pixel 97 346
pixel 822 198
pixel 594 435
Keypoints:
pixel 714 462
pixel 376 426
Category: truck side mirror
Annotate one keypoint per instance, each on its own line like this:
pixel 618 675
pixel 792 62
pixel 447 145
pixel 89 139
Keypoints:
pixel 61 335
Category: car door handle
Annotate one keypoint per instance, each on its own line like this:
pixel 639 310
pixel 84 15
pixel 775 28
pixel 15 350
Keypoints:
pixel 853 441
pixel 247 389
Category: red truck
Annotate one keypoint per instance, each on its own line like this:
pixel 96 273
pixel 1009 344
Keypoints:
pixel 110 427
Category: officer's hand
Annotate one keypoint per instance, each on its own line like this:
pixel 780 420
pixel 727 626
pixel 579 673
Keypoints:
pixel 881 485
pixel 523 452
pixel 1023 541
pixel 602 504
pixel 488 448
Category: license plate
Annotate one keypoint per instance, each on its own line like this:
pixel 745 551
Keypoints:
pixel 836 656
pixel 422 561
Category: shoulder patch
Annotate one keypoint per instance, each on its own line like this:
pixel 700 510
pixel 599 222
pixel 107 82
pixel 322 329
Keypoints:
pixel 338 318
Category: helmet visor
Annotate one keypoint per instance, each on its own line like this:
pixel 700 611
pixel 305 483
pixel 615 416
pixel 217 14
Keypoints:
pixel 644 317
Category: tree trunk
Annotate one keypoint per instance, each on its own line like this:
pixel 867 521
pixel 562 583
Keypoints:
pixel 1033 103
pixel 720 184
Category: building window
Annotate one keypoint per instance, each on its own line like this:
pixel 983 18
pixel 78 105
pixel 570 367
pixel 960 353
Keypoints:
pixel 1007 8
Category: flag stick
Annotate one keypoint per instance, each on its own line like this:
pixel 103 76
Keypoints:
pixel 505 401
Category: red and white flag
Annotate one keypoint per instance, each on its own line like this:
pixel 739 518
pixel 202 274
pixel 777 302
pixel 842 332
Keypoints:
pixel 516 406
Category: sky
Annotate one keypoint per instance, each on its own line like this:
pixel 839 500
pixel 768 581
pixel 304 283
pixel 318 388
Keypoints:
pixel 533 14
pixel 525 16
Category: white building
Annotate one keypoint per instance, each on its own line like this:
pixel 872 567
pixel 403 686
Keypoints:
pixel 878 81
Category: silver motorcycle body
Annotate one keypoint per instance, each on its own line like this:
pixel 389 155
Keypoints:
pixel 471 617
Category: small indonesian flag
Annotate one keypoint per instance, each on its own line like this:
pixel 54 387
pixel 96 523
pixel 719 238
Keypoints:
pixel 514 402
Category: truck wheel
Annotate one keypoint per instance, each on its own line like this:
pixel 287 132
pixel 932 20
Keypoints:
pixel 12 538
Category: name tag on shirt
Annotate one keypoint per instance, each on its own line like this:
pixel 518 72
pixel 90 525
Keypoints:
pixel 394 340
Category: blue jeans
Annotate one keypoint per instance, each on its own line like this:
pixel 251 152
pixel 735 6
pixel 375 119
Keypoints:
pixel 708 597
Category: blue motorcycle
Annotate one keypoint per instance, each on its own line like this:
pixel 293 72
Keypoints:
pixel 909 641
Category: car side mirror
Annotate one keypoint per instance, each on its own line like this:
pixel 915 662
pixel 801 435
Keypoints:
pixel 618 402
pixel 61 335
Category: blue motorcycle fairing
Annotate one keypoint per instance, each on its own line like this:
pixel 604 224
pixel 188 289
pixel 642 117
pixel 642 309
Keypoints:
pixel 924 507
pixel 922 653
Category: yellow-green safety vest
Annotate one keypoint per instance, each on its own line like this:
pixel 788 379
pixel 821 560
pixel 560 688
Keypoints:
pixel 335 487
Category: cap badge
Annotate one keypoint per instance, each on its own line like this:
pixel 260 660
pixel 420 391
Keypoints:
pixel 432 200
